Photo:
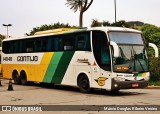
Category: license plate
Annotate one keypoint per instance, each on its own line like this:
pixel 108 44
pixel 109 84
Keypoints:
pixel 135 85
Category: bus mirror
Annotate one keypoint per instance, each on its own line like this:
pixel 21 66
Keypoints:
pixel 155 49
pixel 115 48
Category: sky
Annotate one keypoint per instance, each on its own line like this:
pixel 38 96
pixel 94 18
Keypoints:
pixel 27 14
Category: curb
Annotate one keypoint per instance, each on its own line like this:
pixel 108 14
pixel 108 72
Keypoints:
pixel 153 87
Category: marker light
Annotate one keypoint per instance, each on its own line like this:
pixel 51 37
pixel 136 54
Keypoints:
pixel 115 85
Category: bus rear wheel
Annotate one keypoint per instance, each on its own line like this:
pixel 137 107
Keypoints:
pixel 15 77
pixel 23 78
pixel 83 83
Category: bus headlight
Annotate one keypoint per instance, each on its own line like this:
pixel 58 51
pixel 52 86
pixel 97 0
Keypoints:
pixel 119 79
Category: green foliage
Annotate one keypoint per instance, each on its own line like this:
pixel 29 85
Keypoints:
pixel 1 38
pixel 122 23
pixel 96 23
pixel 106 23
pixel 152 34
pixel 154 67
pixel 49 27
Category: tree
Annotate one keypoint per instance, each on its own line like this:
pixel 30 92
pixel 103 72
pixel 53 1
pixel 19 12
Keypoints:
pixel 106 23
pixel 151 33
pixel 1 38
pixel 82 5
pixel 96 23
pixel 121 23
pixel 49 27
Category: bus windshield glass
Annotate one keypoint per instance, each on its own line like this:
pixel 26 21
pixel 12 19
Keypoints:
pixel 132 52
pixel 126 38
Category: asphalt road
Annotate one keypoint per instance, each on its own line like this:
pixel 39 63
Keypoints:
pixel 36 94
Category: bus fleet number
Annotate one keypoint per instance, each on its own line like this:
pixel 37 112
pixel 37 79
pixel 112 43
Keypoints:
pixel 7 58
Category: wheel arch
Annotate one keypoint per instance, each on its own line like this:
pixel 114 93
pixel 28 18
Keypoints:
pixel 15 70
pixel 23 70
pixel 86 74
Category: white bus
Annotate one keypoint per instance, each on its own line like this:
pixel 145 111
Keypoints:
pixel 110 58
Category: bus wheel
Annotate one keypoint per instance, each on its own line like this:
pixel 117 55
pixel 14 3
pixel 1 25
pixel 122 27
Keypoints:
pixel 23 78
pixel 15 77
pixel 83 83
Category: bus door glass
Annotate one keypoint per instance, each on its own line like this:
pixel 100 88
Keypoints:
pixel 102 66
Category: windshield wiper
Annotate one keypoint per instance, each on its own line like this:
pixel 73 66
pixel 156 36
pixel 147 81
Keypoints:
pixel 135 57
pixel 130 63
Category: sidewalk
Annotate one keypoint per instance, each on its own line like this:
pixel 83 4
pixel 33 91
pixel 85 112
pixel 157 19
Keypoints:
pixel 153 87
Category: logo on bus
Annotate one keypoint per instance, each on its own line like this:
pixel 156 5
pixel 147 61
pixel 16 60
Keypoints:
pixel 101 81
pixel 27 58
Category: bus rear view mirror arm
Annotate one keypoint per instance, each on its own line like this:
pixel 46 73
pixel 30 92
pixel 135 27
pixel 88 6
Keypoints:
pixel 155 49
pixel 115 48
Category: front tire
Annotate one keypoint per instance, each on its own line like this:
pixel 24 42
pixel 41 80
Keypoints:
pixel 83 83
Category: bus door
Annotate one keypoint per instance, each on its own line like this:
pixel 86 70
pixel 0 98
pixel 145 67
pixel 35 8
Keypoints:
pixel 101 68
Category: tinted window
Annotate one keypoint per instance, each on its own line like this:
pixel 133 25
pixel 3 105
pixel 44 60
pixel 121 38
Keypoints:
pixel 29 46
pixel 83 42
pixel 68 42
pixel 101 50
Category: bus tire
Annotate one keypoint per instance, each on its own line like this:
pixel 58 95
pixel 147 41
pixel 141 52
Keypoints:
pixel 23 78
pixel 15 77
pixel 83 84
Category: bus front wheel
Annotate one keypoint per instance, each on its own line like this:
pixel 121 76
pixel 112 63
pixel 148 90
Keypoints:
pixel 23 78
pixel 15 77
pixel 83 83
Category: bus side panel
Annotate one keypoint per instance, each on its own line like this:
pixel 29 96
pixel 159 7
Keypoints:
pixel 57 67
pixel 42 68
pixel 80 63
pixel 35 69
pixel 6 71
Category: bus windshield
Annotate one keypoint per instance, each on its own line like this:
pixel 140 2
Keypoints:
pixel 132 53
pixel 126 38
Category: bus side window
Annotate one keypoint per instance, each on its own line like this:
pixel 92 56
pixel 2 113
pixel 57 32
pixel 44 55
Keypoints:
pixel 44 45
pixel 83 42
pixel 55 44
pixel 14 48
pixel 37 46
pixel 49 44
pixel 6 47
pixel 29 46
pixel 80 43
pixel 69 43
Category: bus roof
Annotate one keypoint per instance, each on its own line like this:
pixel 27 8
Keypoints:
pixel 55 31
pixel 107 29
pixel 73 30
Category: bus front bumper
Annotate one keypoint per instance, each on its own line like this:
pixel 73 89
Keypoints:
pixel 117 85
